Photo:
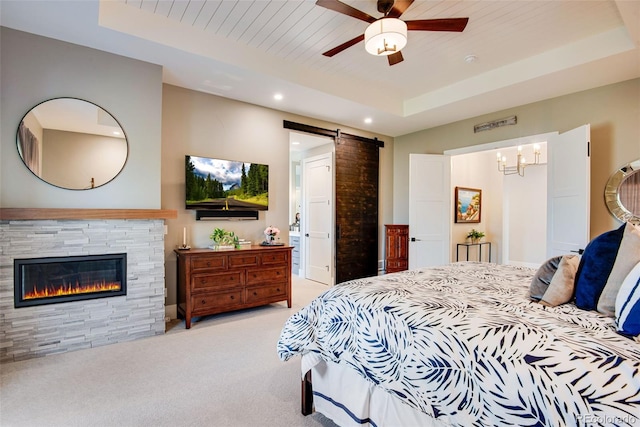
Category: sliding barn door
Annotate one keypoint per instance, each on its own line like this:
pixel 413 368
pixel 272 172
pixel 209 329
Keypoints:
pixel 356 209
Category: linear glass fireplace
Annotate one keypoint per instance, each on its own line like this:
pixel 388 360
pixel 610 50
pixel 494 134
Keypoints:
pixel 51 280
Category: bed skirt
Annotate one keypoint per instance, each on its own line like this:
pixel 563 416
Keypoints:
pixel 346 398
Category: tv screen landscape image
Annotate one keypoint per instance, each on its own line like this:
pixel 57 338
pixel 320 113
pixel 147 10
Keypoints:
pixel 217 184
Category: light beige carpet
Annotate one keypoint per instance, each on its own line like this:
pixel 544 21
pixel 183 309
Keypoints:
pixel 224 371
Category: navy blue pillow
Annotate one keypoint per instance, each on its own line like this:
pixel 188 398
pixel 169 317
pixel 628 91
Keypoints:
pixel 595 266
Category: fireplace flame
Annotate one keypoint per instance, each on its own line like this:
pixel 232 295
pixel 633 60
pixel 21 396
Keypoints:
pixel 70 289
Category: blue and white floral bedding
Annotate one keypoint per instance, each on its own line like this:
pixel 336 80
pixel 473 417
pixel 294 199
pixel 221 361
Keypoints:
pixel 464 343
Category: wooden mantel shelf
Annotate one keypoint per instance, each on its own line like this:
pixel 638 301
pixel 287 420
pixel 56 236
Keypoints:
pixel 61 213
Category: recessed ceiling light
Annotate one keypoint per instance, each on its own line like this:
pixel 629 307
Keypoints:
pixel 115 132
pixel 368 120
pixel 295 143
pixel 277 96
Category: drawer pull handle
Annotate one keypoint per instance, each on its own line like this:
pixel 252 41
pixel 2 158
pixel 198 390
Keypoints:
pixel 204 302
pixel 255 275
pixel 255 293
pixel 232 297
pixel 277 273
pixel 208 263
pixel 278 289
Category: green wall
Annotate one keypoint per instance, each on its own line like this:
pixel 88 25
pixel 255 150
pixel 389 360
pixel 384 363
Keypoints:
pixel 34 69
pixel 613 112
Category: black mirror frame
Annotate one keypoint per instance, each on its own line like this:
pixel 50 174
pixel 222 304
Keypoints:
pixel 59 186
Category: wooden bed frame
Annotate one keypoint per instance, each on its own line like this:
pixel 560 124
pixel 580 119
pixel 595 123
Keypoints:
pixel 385 409
pixel 306 397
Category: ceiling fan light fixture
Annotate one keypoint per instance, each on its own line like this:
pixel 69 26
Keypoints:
pixel 385 36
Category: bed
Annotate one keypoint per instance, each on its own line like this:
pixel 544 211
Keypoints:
pixel 463 345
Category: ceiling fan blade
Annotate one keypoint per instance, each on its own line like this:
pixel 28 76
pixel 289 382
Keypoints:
pixel 399 7
pixel 345 9
pixel 450 24
pixel 344 46
pixel 395 58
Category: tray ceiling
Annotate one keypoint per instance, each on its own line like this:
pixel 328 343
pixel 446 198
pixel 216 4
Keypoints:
pixel 524 51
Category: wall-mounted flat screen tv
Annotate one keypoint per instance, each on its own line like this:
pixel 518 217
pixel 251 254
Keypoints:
pixel 217 184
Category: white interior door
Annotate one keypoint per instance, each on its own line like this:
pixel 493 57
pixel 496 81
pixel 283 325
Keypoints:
pixel 317 218
pixel 568 191
pixel 430 212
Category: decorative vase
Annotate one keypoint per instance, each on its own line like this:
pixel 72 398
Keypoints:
pixel 268 238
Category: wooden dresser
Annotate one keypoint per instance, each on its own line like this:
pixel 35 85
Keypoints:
pixel 397 247
pixel 211 281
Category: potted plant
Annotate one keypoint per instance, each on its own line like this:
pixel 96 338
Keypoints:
pixel 224 239
pixel 475 235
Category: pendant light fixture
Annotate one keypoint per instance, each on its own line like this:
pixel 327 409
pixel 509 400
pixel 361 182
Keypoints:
pixel 385 36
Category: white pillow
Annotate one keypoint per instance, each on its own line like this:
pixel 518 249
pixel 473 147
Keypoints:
pixel 628 304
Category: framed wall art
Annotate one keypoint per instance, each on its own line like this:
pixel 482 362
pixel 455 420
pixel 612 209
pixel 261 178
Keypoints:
pixel 468 205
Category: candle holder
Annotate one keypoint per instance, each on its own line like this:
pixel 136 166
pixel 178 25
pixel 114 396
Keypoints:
pixel 184 245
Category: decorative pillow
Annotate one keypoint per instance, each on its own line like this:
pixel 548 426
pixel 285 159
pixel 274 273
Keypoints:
pixel 595 266
pixel 628 304
pixel 628 256
pixel 542 278
pixel 560 290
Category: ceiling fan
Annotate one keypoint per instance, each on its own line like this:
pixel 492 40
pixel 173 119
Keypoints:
pixel 388 36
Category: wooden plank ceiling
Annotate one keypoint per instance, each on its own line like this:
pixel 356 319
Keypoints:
pixel 498 33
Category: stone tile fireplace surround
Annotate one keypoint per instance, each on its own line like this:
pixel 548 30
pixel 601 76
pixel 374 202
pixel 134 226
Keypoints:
pixel 29 332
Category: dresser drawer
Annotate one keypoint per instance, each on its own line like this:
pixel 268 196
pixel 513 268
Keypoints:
pixel 275 257
pixel 397 264
pixel 209 282
pixel 398 231
pixel 209 263
pixel 266 292
pixel 211 302
pixel 266 275
pixel 243 260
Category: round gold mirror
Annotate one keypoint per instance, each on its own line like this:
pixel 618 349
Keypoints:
pixel 622 193
pixel 72 144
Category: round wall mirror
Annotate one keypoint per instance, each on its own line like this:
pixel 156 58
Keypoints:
pixel 622 193
pixel 72 144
